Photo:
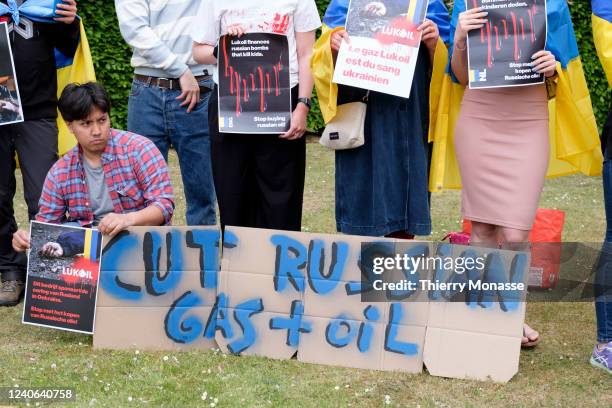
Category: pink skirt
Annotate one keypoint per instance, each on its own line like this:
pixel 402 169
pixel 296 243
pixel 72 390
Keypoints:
pixel 501 143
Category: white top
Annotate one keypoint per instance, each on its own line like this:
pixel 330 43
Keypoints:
pixel 257 16
pixel 159 33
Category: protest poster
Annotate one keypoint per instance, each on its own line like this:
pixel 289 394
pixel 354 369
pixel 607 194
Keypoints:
pixel 10 103
pixel 254 84
pixel 62 280
pixel 499 54
pixel 384 45
pixel 280 294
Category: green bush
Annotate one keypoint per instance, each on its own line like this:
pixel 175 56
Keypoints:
pixel 112 58
pixel 111 55
pixel 596 78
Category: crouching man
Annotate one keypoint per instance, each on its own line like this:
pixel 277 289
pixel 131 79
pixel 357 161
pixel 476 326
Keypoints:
pixel 111 180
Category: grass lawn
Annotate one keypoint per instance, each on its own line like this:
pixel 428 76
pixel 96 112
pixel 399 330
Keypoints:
pixel 556 373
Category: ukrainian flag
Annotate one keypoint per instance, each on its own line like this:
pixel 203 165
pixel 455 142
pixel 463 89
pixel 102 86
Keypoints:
pixel 602 33
pixel 93 244
pixel 574 139
pixel 70 68
pixel 322 62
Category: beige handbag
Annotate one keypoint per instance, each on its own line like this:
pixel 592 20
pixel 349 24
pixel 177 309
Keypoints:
pixel 346 130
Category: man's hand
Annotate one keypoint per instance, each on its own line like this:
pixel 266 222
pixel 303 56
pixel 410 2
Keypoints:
pixel 67 11
pixel 191 90
pixel 52 250
pixel 298 123
pixel 112 224
pixel 21 241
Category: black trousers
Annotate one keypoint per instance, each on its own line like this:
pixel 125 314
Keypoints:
pixel 35 142
pixel 259 179
pixel 606 135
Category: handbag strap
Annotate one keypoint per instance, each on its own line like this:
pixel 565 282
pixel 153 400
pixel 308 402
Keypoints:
pixel 366 97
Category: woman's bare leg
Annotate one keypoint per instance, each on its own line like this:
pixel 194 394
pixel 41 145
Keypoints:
pixel 518 240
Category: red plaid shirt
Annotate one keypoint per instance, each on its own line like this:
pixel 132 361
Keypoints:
pixel 135 172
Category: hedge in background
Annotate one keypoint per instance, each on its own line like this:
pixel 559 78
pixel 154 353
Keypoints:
pixel 112 57
pixel 596 78
pixel 110 54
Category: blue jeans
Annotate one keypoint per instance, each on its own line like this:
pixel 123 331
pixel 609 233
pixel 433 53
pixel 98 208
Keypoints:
pixel 603 278
pixel 156 113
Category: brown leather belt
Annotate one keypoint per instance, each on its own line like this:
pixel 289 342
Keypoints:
pixel 165 83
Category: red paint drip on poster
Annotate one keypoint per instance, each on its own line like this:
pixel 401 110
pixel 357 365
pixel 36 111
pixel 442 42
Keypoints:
pixel 516 45
pixel 489 51
pixel 520 31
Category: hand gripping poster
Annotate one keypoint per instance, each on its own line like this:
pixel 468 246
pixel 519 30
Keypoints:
pixel 254 84
pixel 10 102
pixel 62 282
pixel 384 45
pixel 499 53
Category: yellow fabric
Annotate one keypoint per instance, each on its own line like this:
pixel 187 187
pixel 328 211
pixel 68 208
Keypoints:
pixel 80 71
pixel 602 34
pixel 322 66
pixel 436 85
pixel 574 139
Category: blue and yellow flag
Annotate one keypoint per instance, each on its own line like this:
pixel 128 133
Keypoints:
pixel 602 34
pixel 70 68
pixel 93 243
pixel 322 62
pixel 574 140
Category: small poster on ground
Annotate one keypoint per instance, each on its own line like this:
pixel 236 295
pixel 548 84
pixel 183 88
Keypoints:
pixel 62 281
pixel 384 45
pixel 499 54
pixel 10 102
pixel 254 84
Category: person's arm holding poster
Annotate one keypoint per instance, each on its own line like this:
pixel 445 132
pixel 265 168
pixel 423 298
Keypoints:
pixel 155 186
pixel 429 36
pixel 52 209
pixel 473 19
pixel 306 22
pixel 305 42
pixel 206 32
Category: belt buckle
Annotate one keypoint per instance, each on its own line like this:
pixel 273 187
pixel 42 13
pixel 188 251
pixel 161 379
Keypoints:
pixel 160 79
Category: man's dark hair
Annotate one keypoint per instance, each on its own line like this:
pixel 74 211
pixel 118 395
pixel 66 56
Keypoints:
pixel 77 101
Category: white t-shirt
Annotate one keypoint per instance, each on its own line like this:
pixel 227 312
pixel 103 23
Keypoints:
pixel 256 16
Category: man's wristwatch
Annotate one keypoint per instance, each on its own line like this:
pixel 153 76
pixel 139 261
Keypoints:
pixel 305 101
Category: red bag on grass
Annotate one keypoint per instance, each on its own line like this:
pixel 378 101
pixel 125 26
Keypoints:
pixel 546 255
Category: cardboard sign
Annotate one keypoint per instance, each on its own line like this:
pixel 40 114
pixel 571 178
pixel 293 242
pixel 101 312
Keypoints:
pixel 62 280
pixel 499 54
pixel 384 45
pixel 10 102
pixel 254 84
pixel 163 283
pixel 279 293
